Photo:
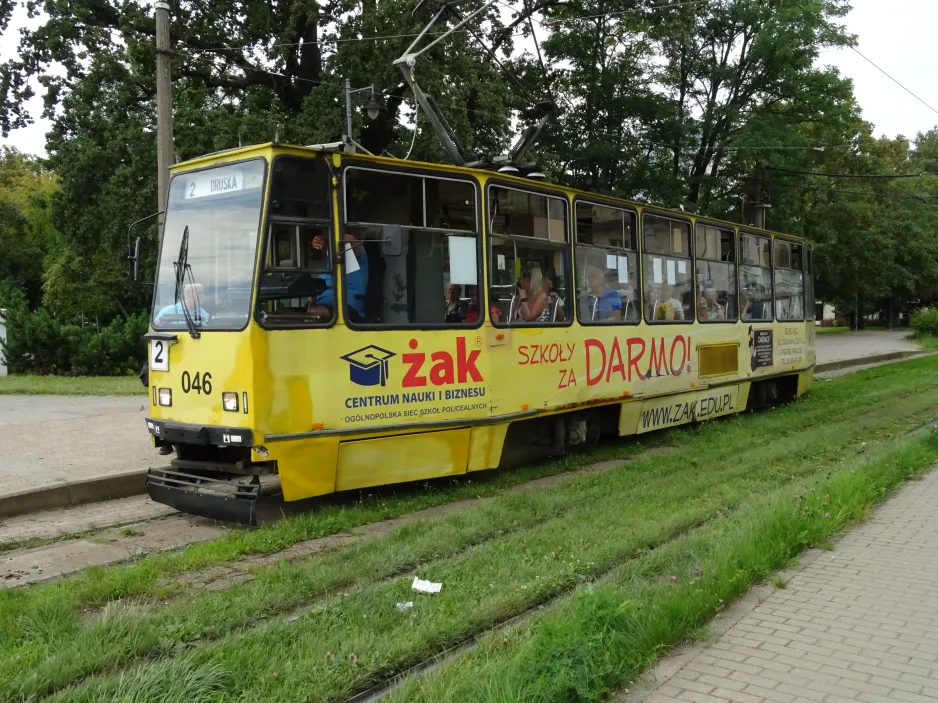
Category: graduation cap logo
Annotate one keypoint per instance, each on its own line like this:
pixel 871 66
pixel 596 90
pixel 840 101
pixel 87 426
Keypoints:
pixel 368 366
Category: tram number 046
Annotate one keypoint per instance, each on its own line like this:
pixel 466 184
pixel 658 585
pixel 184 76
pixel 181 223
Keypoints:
pixel 200 382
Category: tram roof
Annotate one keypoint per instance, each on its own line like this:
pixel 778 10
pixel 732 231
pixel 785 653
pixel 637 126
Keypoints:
pixel 336 148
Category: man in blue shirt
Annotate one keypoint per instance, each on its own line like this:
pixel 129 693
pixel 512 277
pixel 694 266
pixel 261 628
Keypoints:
pixel 603 303
pixel 192 293
pixel 356 282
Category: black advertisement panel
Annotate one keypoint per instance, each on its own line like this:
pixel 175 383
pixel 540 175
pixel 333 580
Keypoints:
pixel 761 348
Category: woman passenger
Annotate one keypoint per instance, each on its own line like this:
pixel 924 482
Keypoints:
pixel 534 299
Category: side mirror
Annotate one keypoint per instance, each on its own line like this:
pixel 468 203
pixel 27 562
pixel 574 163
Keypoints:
pixel 391 240
pixel 134 260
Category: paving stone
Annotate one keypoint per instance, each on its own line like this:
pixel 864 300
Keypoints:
pixel 857 624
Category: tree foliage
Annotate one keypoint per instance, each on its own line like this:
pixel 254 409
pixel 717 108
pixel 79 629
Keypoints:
pixel 667 102
pixel 26 233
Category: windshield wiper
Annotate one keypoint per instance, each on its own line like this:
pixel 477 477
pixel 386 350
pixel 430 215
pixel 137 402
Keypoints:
pixel 182 270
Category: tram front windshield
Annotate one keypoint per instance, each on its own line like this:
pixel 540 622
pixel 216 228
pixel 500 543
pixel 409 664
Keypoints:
pixel 221 207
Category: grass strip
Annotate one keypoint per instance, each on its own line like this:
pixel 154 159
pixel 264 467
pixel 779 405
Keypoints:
pixel 601 637
pixel 848 396
pixel 71 385
pixel 492 582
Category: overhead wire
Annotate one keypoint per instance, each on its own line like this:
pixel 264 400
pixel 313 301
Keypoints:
pixel 881 176
pixel 881 70
pixel 929 199
pixel 409 35
pixel 642 140
pixel 638 139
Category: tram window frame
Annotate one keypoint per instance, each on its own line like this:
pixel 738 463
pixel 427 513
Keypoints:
pixel 810 305
pixel 732 262
pixel 261 224
pixel 541 244
pixel 648 257
pixel 781 243
pixel 740 265
pixel 423 175
pixel 608 249
pixel 271 219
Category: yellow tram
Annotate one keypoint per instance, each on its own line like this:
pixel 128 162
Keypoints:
pixel 326 321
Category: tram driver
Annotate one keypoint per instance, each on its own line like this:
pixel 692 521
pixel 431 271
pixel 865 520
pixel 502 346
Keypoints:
pixel 193 295
pixel 356 282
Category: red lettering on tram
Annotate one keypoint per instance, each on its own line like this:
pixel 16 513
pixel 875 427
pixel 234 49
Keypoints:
pixel 634 360
pixel 607 365
pixel 466 363
pixel 590 345
pixel 445 370
pixel 555 353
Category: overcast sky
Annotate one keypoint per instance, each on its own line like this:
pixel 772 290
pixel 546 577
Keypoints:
pixel 895 34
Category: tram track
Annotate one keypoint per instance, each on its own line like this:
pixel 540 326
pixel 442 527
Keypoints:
pixel 379 691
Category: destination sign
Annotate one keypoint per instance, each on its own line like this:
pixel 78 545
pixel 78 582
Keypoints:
pixel 214 182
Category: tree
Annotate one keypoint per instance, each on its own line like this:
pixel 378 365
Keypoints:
pixel 243 72
pixel 26 233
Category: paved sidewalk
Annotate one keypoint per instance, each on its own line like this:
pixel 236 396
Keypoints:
pixel 49 441
pixel 857 345
pixel 856 624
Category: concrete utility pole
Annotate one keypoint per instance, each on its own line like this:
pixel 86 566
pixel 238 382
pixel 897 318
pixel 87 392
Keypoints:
pixel 164 106
pixel 759 205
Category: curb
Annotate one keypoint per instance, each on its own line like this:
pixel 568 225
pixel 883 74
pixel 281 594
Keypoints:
pixel 862 361
pixel 90 490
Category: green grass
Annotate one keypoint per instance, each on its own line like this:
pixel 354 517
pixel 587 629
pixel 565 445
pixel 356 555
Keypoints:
pixel 601 637
pixel 71 385
pixel 928 342
pixel 832 330
pixel 303 620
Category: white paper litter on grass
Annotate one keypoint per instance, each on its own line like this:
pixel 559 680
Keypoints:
pixel 404 607
pixel 426 586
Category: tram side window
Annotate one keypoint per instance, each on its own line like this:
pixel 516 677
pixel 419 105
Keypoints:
pixel 716 274
pixel 789 281
pixel 528 271
pixel 296 285
pixel 410 249
pixel 606 264
pixel 666 270
pixel 755 277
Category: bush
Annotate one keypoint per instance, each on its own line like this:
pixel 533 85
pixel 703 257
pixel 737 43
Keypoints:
pixel 925 322
pixel 39 343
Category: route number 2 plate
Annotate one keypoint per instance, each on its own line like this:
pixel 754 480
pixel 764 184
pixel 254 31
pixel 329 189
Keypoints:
pixel 159 355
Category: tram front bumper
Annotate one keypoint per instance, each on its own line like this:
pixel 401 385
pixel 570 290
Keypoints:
pixel 226 499
pixel 168 432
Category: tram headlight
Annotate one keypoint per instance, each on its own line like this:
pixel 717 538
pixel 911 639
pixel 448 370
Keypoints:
pixel 229 401
pixel 166 396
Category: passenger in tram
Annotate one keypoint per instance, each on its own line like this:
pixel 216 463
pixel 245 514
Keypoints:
pixel 669 306
pixel 456 307
pixel 472 310
pixel 603 303
pixel 533 300
pixel 752 309
pixel 555 302
pixel 708 308
pixel 356 282
pixel 192 293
